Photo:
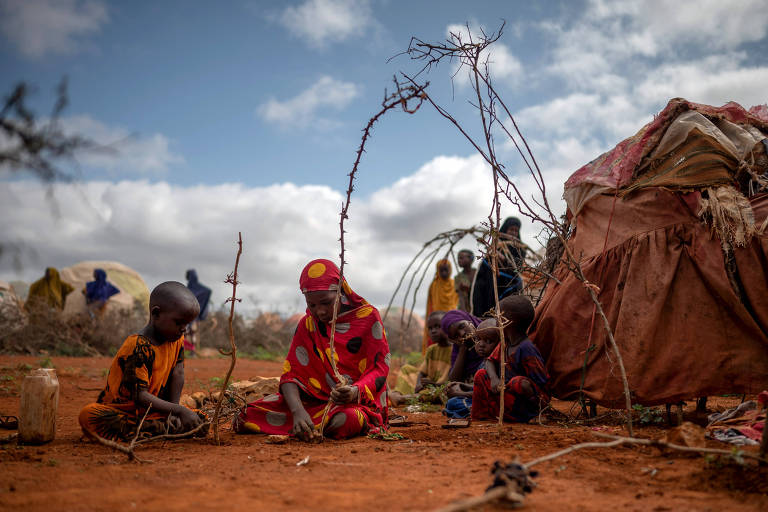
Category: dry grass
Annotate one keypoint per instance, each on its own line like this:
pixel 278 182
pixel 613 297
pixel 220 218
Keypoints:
pixel 267 336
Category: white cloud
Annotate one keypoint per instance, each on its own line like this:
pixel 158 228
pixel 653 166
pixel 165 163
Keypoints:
pixel 713 81
pixel 585 116
pixel 443 194
pixel 619 62
pixel 615 43
pixel 121 151
pixel 161 229
pixel 711 23
pixel 302 110
pixel 39 27
pixel 503 65
pixel 320 22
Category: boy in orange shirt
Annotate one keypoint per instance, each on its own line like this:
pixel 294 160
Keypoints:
pixel 148 371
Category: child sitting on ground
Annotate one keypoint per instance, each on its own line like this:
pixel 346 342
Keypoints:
pixel 433 370
pixel 460 326
pixel 525 378
pixel 459 403
pixel 148 373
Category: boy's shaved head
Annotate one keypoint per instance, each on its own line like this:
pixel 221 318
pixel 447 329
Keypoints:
pixel 488 323
pixel 519 310
pixel 173 295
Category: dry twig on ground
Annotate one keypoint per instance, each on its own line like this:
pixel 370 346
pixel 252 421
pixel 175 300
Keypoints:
pixel 512 493
pixel 130 449
pixel 511 481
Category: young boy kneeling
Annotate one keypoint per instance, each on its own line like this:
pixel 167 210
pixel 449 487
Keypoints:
pixel 524 375
pixel 148 370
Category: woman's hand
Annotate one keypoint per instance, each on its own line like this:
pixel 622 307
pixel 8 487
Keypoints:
pixel 345 394
pixel 303 428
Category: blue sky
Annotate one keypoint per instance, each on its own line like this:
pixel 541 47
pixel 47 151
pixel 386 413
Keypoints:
pixel 198 74
pixel 246 116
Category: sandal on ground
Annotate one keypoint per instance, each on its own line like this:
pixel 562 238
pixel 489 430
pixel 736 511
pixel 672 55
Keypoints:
pixel 398 420
pixel 9 422
pixel 457 423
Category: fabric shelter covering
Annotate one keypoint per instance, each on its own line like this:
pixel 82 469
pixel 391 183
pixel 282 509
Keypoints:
pixel 689 310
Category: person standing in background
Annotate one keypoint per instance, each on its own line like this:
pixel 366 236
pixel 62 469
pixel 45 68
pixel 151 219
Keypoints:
pixel 464 279
pixel 203 295
pixel 441 297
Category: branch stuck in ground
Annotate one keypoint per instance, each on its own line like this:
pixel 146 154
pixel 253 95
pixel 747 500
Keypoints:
pixel 231 279
pixel 399 98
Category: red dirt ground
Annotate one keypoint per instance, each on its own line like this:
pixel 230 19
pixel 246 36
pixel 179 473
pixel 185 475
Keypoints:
pixel 430 469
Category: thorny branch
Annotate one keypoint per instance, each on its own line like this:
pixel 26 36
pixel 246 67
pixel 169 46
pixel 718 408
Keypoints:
pixel 231 279
pixel 399 98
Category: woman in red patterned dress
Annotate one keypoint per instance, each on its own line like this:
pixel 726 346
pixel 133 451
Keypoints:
pixel 308 385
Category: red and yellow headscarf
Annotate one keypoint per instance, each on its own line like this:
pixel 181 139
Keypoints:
pixel 323 275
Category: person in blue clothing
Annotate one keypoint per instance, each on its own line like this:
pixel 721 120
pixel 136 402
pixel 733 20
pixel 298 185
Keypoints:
pixel 203 295
pixel 510 260
pixel 98 292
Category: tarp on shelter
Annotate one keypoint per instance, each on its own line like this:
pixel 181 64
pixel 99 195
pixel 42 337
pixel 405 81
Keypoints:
pixel 690 317
pixel 132 287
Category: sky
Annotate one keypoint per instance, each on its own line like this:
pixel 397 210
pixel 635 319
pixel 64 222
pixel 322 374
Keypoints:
pixel 244 116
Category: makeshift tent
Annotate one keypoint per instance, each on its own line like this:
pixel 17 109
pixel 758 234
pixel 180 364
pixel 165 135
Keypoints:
pixel 11 312
pixel 8 297
pixel 21 289
pixel 671 225
pixel 128 281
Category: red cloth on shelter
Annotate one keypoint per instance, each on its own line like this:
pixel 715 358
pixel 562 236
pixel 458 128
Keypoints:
pixel 682 330
pixel 690 318
pixel 615 168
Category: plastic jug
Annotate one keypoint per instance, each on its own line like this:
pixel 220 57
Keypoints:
pixel 39 402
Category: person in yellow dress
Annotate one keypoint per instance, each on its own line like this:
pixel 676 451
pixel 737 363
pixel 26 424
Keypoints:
pixel 442 297
pixel 49 290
